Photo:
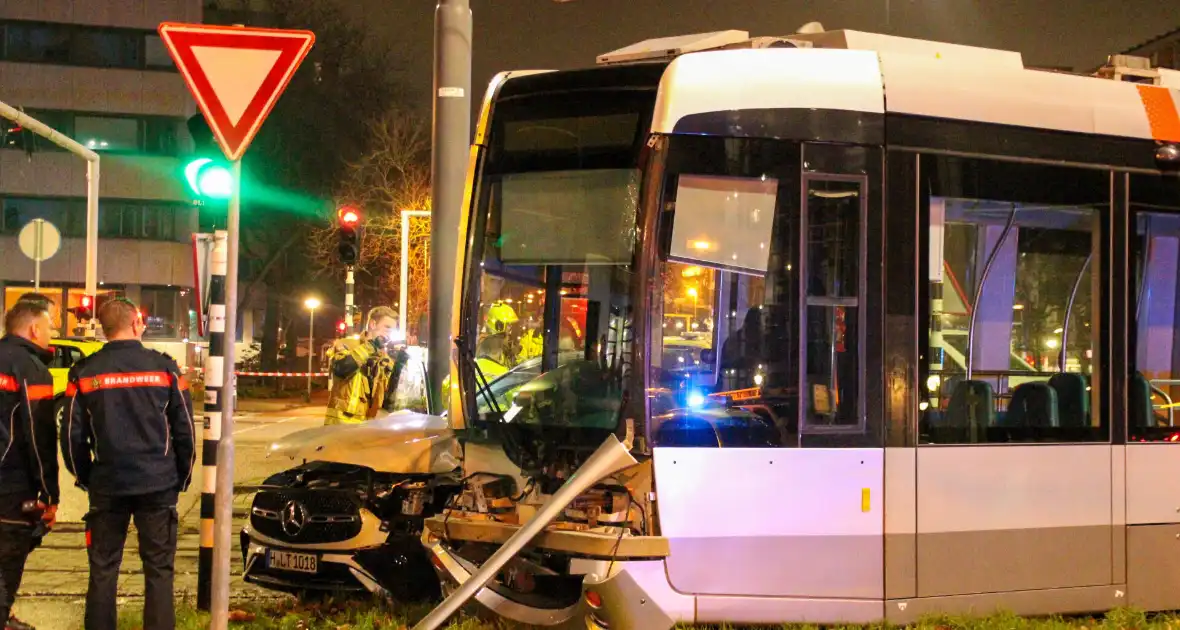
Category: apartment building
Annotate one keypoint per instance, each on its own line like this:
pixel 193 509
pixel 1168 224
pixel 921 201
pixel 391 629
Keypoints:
pixel 97 72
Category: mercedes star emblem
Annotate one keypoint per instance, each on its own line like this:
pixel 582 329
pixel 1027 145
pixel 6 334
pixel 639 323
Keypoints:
pixel 294 518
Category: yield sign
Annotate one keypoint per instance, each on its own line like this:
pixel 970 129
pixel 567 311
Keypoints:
pixel 235 73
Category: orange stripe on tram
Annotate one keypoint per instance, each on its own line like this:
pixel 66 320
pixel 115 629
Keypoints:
pixel 1162 113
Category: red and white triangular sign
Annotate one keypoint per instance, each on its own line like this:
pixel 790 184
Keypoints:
pixel 235 73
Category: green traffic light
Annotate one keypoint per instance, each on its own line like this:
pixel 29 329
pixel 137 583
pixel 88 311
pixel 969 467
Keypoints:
pixel 209 179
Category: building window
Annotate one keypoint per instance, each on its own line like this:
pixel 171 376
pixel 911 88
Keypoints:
pixel 106 49
pixel 37 42
pixel 155 54
pixel 165 312
pixel 67 215
pixel 107 133
pixel 153 135
pixel 116 219
pixel 1014 303
pixel 83 45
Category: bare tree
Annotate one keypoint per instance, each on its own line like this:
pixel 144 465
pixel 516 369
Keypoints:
pixel 394 175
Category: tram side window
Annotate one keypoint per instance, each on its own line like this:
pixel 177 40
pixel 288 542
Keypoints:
pixel 1014 296
pixel 1154 386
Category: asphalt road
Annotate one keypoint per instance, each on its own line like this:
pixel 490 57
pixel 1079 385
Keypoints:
pixel 54 587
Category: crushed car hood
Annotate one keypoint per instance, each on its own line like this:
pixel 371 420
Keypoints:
pixel 402 442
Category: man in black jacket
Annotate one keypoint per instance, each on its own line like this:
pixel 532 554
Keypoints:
pixel 28 435
pixel 129 441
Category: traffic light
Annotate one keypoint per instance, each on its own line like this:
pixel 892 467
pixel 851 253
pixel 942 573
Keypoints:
pixel 341 328
pixel 85 310
pixel 348 219
pixel 207 173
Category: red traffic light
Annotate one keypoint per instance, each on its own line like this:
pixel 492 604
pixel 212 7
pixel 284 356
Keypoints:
pixel 341 326
pixel 349 216
pixel 86 301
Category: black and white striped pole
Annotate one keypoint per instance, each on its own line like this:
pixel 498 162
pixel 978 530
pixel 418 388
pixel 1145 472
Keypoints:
pixel 349 308
pixel 214 379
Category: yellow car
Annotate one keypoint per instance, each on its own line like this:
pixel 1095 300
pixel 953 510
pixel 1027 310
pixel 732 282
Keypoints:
pixel 66 352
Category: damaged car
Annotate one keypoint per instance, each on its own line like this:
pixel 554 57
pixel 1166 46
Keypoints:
pixel 347 517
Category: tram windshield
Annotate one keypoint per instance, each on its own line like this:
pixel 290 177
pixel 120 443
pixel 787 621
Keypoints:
pixel 547 298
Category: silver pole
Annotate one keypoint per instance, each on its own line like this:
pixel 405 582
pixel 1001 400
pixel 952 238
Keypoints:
pixel 310 349
pixel 404 283
pixel 452 137
pixel 92 170
pixel 38 234
pixel 223 510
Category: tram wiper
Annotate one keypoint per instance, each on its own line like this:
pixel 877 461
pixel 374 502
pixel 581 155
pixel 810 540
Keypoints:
pixel 481 380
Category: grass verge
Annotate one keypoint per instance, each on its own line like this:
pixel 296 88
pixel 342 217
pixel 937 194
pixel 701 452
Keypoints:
pixel 361 615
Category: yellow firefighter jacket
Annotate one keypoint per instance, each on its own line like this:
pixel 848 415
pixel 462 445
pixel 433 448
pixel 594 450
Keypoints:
pixel 361 379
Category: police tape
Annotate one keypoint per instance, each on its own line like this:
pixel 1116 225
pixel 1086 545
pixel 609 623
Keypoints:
pixel 278 374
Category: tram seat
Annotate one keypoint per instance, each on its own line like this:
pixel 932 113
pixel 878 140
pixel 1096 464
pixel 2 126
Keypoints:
pixel 1033 405
pixel 971 406
pixel 1073 399
pixel 1139 409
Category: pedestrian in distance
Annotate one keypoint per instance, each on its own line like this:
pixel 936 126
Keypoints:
pixel 28 438
pixel 365 371
pixel 129 442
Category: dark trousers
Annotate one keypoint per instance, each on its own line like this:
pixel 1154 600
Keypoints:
pixel 16 543
pixel 106 531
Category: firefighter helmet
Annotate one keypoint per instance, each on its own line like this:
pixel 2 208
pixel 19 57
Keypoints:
pixel 500 316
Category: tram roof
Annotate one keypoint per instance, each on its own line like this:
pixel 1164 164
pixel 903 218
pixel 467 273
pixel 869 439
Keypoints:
pixel 877 74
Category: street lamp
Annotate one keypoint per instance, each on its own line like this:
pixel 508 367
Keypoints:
pixel 312 304
pixel 403 306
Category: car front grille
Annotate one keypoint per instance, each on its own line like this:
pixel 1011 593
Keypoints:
pixel 306 516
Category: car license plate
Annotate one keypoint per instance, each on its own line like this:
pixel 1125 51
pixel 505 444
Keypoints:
pixel 291 561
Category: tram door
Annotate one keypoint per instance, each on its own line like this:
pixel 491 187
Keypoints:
pixel 768 476
pixel 1015 472
pixel 1153 406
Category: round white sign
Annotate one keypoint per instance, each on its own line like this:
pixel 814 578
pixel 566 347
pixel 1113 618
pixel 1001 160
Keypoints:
pixel 39 240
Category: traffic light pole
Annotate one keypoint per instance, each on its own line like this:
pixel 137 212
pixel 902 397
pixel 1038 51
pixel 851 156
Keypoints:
pixel 214 379
pixel 452 139
pixel 92 172
pixel 349 309
pixel 223 512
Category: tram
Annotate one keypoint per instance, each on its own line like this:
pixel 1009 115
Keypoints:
pixel 875 328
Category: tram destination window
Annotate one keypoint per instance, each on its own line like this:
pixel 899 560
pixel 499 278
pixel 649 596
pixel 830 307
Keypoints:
pixel 1154 385
pixel 1013 303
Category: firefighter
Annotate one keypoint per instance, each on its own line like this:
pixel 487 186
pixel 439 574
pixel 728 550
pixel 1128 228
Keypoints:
pixel 129 441
pixel 364 375
pixel 28 461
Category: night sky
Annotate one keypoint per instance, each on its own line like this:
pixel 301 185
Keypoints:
pixel 518 34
